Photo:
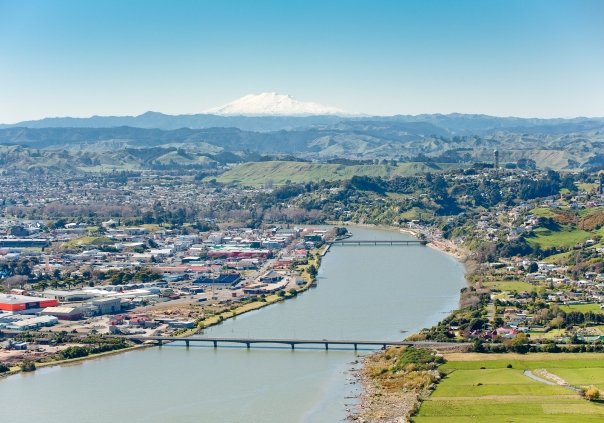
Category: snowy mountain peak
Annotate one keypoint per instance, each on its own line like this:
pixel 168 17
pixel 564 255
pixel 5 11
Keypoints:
pixel 273 104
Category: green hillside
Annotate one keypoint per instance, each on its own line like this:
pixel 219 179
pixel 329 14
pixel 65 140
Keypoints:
pixel 278 172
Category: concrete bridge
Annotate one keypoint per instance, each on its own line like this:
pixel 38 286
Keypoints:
pixel 380 242
pixel 292 343
pixel 249 342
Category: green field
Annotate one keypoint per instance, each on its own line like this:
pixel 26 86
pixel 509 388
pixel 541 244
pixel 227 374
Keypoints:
pixel 550 334
pixel 88 240
pixel 559 258
pixel 517 286
pixel 583 308
pixel 277 172
pixel 582 377
pixel 543 212
pixel 583 186
pixel 564 238
pixel 481 388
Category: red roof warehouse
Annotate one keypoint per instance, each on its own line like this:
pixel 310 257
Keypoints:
pixel 23 302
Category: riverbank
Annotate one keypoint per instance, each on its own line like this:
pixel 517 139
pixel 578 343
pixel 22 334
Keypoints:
pixel 378 401
pixel 67 361
pixel 366 292
pixel 434 241
pixel 438 243
pixel 314 260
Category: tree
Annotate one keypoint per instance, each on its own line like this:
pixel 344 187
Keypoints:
pixel 520 344
pixel 15 281
pixel 312 270
pixel 556 322
pixel 478 345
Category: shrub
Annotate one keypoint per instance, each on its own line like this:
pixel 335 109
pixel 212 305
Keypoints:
pixel 27 366
pixel 75 352
pixel 592 393
pixel 419 358
pixel 4 368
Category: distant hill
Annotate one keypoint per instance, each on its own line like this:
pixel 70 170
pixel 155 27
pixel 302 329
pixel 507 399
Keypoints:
pixel 155 120
pixel 554 143
pixel 352 139
pixel 451 124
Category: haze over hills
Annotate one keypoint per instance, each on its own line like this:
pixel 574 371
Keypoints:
pixel 274 112
pixel 276 124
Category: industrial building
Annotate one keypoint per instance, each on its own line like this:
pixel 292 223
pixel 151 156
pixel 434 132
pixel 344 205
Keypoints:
pixel 68 296
pixel 64 312
pixel 222 279
pixel 23 243
pixel 108 305
pixel 24 303
pixel 22 323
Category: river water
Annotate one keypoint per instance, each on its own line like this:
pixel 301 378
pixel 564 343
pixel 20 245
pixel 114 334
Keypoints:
pixel 366 292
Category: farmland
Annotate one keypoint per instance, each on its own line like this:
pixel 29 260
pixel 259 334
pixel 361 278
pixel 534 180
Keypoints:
pixel 494 388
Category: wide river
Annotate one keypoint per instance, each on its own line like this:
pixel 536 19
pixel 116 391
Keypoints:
pixel 363 292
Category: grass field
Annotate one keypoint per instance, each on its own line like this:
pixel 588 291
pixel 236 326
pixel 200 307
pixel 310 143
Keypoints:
pixel 564 238
pixel 550 334
pixel 259 173
pixel 583 308
pixel 518 286
pixel 88 240
pixel 582 377
pixel 481 388
pixel 543 212
pixel 559 258
pixel 587 186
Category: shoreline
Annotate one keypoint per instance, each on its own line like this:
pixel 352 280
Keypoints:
pixel 371 399
pixel 442 245
pixel 368 392
pixel 213 321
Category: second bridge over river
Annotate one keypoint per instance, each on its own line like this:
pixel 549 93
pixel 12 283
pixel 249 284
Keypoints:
pixel 379 242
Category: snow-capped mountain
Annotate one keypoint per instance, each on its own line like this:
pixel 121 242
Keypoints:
pixel 273 104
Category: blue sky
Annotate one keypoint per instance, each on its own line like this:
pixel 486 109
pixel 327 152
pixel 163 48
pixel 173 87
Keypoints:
pixel 500 57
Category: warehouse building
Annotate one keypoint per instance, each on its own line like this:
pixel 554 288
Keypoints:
pixel 25 303
pixel 64 312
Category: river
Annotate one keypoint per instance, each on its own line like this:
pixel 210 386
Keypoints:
pixel 366 292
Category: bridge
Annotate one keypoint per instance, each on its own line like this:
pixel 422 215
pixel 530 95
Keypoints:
pixel 249 342
pixel 292 343
pixel 380 242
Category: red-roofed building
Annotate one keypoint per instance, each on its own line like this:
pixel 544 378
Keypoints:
pixel 24 302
